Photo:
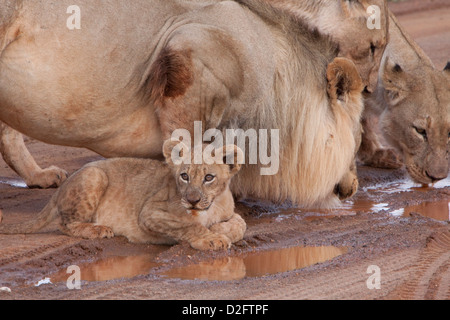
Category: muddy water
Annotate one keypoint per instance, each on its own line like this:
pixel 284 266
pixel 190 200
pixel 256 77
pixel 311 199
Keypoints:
pixel 226 269
pixel 111 268
pixel 13 183
pixel 436 210
pixel 257 264
pixel 439 210
pixel 368 202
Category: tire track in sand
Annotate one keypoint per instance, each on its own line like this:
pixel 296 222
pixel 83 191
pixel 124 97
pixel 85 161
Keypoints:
pixel 430 276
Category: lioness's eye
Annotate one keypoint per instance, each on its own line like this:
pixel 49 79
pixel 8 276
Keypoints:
pixel 184 176
pixel 209 178
pixel 422 132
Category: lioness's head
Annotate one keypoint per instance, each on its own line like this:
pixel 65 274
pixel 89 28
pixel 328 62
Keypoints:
pixel 417 119
pixel 200 184
pixel 361 31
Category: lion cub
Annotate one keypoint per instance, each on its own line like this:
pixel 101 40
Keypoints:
pixel 148 201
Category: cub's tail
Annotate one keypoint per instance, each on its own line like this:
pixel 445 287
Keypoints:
pixel 47 215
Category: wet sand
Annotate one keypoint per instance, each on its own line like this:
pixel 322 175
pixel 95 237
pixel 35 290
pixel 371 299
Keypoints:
pixel 287 253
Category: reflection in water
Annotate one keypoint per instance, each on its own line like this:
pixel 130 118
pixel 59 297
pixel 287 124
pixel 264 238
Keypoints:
pixel 225 269
pixel 435 210
pixel 111 268
pixel 257 264
pixel 406 185
pixel 13 182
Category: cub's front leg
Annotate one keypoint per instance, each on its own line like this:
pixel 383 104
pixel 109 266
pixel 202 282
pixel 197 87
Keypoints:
pixel 198 236
pixel 234 228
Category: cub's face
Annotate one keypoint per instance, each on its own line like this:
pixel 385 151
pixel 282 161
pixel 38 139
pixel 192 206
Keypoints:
pixel 200 184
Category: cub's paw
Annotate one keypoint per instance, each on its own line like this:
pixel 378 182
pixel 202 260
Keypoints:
pixel 212 242
pixel 51 177
pixel 99 232
pixel 233 229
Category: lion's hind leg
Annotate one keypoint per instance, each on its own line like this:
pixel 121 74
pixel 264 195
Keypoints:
pixel 78 203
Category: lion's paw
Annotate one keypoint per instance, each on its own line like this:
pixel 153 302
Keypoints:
pixel 347 187
pixel 51 177
pixel 213 242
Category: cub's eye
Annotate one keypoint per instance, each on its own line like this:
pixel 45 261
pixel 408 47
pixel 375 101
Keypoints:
pixel 422 132
pixel 184 177
pixel 209 178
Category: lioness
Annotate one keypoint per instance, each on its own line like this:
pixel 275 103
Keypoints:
pixel 148 201
pixel 411 109
pixel 136 71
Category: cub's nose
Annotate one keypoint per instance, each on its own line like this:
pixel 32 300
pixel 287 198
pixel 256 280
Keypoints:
pixel 193 199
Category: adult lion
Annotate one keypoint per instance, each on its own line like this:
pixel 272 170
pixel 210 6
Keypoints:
pixel 412 103
pixel 228 64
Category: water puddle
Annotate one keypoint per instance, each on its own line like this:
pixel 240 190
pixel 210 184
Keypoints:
pixel 406 185
pixel 439 210
pixel 371 202
pixel 14 182
pixel 225 269
pixel 111 268
pixel 257 264
pixel 436 210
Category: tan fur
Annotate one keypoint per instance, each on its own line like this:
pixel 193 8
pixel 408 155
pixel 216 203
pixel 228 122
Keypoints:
pixel 411 109
pixel 146 201
pixel 122 91
pixel 346 23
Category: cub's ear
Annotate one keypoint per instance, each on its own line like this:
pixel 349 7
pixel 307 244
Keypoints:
pixel 233 156
pixel 175 152
pixel 394 82
pixel 343 80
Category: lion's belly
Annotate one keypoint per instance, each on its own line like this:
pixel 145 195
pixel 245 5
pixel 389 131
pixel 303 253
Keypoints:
pixel 80 87
pixel 109 126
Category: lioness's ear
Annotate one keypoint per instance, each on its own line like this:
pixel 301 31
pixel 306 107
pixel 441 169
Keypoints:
pixel 233 156
pixel 447 69
pixel 175 152
pixel 394 82
pixel 343 79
